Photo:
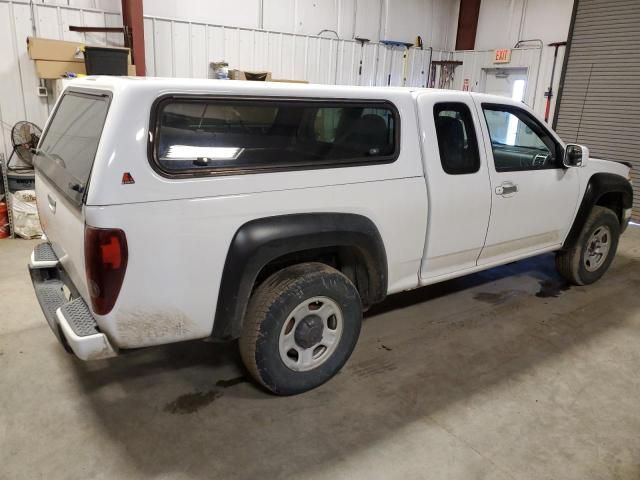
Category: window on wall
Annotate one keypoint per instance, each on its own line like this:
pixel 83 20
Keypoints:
pixel 518 141
pixel 457 141
pixel 215 136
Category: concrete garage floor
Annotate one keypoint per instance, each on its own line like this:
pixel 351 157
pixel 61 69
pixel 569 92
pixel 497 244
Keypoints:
pixel 505 374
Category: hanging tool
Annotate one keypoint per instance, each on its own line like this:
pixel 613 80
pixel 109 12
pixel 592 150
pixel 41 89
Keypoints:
pixel 361 41
pixel 447 73
pixel 549 93
pixel 426 83
pixel 405 54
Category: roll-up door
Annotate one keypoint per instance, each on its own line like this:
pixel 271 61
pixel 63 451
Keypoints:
pixel 599 96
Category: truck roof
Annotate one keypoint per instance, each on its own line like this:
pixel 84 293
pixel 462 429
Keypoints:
pixel 191 85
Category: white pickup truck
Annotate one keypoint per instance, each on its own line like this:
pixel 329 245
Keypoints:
pixel 276 213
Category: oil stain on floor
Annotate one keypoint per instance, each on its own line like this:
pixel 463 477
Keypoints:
pixel 496 298
pixel 192 402
pixel 552 288
pixel 231 382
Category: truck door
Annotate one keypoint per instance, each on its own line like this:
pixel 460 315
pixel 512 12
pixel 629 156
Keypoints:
pixel 457 183
pixel 533 197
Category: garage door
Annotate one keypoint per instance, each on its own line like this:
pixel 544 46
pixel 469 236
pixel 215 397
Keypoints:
pixel 599 97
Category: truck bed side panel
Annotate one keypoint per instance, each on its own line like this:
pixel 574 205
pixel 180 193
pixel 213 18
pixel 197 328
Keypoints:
pixel 177 250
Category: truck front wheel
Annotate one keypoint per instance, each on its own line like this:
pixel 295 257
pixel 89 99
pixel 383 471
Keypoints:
pixel 593 252
pixel 301 326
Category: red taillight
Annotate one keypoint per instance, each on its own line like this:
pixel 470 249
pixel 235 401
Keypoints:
pixel 105 261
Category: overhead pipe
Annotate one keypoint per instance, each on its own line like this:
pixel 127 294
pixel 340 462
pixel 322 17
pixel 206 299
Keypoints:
pixel 330 31
pixel 523 14
pixel 335 77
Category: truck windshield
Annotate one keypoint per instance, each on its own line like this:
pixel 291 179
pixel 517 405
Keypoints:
pixel 69 145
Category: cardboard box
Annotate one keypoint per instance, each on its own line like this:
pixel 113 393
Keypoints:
pixel 285 80
pixel 48 69
pixel 58 50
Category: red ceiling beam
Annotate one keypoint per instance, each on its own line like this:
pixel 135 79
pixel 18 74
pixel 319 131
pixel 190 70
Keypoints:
pixel 467 24
pixel 132 19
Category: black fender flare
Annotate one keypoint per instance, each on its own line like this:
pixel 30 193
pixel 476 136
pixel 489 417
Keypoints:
pixel 599 184
pixel 260 241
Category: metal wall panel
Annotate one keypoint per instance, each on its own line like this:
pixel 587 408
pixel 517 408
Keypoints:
pixel 178 48
pixel 599 103
pixel 18 80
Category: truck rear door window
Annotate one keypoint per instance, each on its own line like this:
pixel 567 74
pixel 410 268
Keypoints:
pixel 457 141
pixel 215 136
pixel 70 142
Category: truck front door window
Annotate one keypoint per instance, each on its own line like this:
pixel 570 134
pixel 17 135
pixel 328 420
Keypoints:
pixel 518 141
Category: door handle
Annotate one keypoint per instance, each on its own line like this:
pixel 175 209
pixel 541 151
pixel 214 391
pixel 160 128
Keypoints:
pixel 507 188
pixel 52 203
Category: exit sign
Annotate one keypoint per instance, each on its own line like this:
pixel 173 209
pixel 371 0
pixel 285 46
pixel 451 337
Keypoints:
pixel 502 55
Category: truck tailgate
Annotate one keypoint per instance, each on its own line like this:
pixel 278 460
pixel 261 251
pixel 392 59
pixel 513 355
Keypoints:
pixel 63 224
pixel 63 162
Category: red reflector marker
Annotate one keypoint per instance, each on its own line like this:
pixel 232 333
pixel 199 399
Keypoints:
pixel 127 178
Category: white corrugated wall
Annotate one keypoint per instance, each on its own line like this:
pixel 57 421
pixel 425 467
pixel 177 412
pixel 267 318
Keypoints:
pixel 18 80
pixel 177 48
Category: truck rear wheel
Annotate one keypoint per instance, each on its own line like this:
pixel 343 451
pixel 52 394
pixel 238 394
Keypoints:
pixel 301 327
pixel 593 252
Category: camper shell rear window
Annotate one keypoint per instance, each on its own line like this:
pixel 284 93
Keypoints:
pixel 217 136
pixel 67 150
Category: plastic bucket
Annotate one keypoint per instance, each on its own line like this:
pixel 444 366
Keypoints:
pixel 4 221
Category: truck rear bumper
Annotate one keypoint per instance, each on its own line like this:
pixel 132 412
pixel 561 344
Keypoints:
pixel 65 311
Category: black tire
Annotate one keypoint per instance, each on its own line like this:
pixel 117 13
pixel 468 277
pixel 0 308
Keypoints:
pixel 272 304
pixel 571 263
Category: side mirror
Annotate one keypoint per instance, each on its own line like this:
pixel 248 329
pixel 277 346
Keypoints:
pixel 575 155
